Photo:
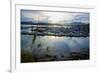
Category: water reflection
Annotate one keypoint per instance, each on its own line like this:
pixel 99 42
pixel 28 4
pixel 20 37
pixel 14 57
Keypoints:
pixel 57 45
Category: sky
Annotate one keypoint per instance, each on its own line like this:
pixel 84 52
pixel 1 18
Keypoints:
pixel 54 16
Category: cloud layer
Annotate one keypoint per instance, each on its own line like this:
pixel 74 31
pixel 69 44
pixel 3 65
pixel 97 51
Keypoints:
pixel 54 17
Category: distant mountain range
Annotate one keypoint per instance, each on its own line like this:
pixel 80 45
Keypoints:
pixel 41 23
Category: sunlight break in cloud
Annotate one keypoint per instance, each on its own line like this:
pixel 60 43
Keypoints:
pixel 54 17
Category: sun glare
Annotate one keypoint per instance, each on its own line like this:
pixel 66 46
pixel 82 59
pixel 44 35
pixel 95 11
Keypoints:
pixel 51 17
pixel 57 17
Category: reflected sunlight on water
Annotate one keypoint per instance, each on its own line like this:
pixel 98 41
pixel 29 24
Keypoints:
pixel 59 45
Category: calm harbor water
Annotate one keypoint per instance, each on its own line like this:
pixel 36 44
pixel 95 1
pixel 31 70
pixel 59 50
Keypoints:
pixel 57 45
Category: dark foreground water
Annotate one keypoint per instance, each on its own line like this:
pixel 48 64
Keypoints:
pixel 53 48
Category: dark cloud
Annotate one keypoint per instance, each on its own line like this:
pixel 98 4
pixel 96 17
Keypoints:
pixel 30 15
